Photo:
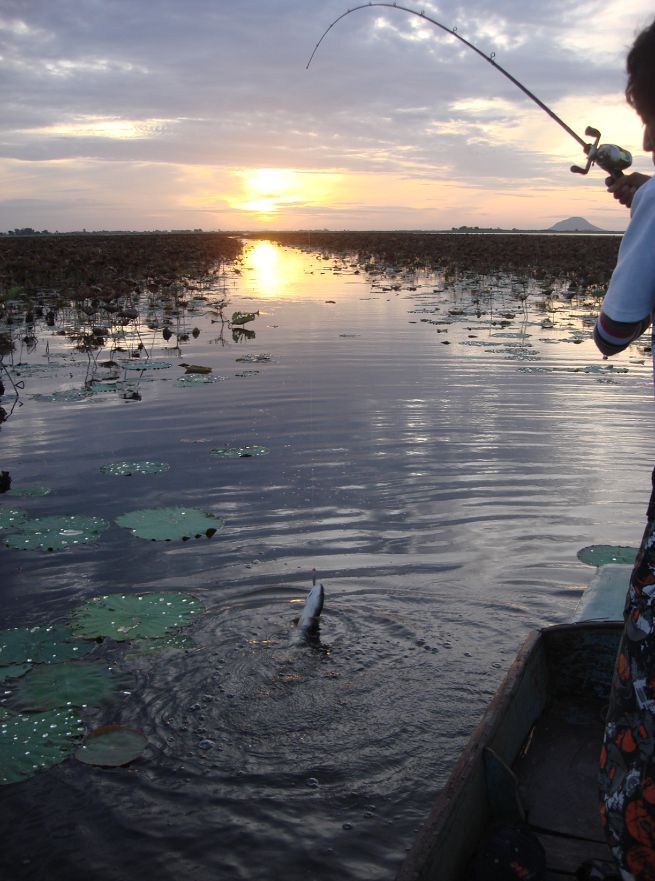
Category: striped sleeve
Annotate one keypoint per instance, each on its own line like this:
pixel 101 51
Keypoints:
pixel 613 336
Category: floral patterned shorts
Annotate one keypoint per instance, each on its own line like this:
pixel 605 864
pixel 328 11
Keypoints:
pixel 627 761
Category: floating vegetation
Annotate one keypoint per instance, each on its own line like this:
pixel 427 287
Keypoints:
pixel 128 469
pixel 255 359
pixel 11 518
pixel 13 671
pixel 29 491
pixel 141 647
pixel 243 317
pixel 130 616
pixel 169 524
pixel 196 368
pixel 111 746
pixel 40 645
pixel 600 555
pixel 70 683
pixel 56 533
pixel 197 379
pixel 245 452
pixel 35 741
pixel 68 395
pixel 137 364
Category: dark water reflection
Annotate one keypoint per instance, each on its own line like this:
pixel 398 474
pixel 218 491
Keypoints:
pixel 440 491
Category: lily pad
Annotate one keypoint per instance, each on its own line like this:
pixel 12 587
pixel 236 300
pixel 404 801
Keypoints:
pixel 255 359
pixel 168 524
pixel 600 555
pixel 13 671
pixel 29 491
pixel 12 517
pixel 142 647
pixel 34 741
pixel 111 746
pixel 56 533
pixel 244 452
pixel 70 394
pixel 40 645
pixel 131 616
pixel 76 684
pixel 136 364
pixel 127 469
pixel 243 317
pixel 197 368
pixel 195 379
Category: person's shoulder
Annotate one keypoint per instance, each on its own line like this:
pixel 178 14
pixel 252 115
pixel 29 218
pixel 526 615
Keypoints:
pixel 645 195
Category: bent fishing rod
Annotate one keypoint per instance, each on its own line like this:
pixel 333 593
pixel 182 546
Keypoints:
pixel 611 158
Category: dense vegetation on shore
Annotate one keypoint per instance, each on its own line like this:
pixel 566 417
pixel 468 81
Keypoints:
pixel 113 264
pixel 585 259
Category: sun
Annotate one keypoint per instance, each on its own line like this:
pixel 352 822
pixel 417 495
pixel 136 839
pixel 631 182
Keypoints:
pixel 268 193
pixel 267 190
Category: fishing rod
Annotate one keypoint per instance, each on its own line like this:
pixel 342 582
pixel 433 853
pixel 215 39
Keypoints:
pixel 611 158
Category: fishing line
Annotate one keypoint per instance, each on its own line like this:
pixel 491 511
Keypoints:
pixel 609 157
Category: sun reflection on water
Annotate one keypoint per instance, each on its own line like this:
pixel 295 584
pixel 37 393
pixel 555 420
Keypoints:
pixel 274 271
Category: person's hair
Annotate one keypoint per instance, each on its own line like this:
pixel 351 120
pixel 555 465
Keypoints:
pixel 640 63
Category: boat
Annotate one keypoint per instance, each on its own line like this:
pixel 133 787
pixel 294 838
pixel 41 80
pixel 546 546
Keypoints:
pixel 532 762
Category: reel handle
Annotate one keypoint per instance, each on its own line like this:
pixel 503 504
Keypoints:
pixel 609 157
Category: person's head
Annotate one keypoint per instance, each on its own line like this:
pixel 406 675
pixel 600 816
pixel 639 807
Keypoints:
pixel 640 89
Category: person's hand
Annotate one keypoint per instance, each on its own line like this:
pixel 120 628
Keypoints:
pixel 624 188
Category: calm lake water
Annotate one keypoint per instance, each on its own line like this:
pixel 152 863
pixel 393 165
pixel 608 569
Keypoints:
pixel 438 451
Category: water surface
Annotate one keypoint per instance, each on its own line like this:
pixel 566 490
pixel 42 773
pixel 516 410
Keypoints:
pixel 438 451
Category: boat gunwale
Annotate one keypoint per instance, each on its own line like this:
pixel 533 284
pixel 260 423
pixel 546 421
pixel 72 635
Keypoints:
pixel 418 864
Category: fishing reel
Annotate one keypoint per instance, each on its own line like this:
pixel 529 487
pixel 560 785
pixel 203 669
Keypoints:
pixel 612 159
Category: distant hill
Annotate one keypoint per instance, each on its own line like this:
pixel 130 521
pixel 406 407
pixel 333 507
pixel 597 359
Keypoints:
pixel 574 224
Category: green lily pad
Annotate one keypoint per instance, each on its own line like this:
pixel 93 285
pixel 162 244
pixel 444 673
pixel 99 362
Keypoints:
pixel 40 645
pixel 29 491
pixel 111 746
pixel 244 452
pixel 12 517
pixel 69 394
pixel 255 359
pixel 168 524
pixel 136 364
pixel 196 379
pixel 73 683
pixel 56 533
pixel 197 368
pixel 34 741
pixel 141 647
pixel 127 469
pixel 13 671
pixel 131 616
pixel 600 555
pixel 243 317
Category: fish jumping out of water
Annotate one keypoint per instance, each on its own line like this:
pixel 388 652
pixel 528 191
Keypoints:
pixel 307 626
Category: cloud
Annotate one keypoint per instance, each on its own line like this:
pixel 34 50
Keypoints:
pixel 223 86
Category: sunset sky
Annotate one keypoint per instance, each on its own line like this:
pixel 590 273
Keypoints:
pixel 126 114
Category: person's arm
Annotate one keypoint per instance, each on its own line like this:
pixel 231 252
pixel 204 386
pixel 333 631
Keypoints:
pixel 629 302
pixel 612 336
pixel 624 188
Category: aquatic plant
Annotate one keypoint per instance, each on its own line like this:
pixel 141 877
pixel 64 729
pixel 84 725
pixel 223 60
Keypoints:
pixel 111 746
pixel 12 518
pixel 132 616
pixel 600 555
pixel 35 741
pixel 70 683
pixel 50 644
pixel 128 469
pixel 240 318
pixel 168 524
pixel 56 533
pixel 245 452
